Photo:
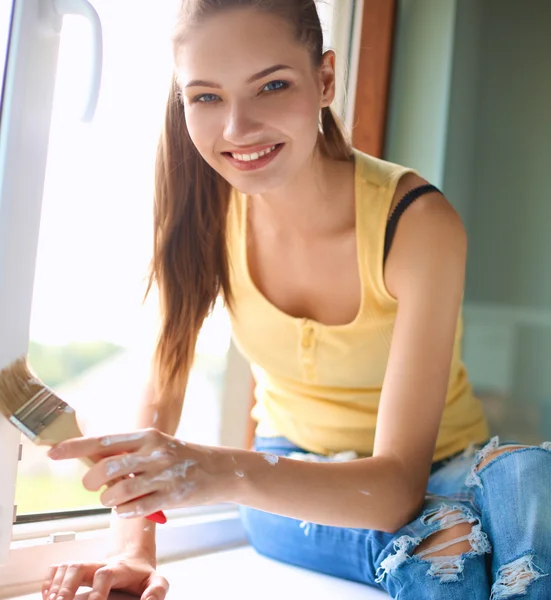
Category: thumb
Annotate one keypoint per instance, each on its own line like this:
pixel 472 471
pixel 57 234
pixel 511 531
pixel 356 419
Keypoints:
pixel 157 588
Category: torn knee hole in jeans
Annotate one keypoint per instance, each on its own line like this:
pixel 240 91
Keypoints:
pixel 445 568
pixel 473 479
pixel 514 578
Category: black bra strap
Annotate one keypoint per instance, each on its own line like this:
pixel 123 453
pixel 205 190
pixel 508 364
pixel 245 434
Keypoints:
pixel 404 203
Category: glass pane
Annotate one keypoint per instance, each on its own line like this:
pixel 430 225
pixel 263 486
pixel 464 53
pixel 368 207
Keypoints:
pixel 325 11
pixel 90 335
pixel 5 21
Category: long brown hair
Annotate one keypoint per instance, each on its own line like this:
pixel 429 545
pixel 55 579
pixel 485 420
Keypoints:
pixel 190 260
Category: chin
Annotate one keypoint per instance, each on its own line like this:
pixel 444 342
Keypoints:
pixel 255 183
pixel 258 185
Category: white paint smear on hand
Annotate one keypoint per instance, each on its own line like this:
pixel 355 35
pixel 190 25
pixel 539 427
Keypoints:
pixel 109 440
pixel 271 458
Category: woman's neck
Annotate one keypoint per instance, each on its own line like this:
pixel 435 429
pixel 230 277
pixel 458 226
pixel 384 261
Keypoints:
pixel 319 200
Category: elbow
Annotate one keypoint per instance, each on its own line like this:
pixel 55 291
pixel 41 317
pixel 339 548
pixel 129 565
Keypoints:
pixel 404 514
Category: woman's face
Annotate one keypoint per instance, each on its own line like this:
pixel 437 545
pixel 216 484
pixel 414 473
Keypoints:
pixel 250 88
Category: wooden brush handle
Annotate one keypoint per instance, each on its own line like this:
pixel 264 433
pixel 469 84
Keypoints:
pixel 65 427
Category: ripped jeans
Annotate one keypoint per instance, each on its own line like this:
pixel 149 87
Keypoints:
pixel 507 501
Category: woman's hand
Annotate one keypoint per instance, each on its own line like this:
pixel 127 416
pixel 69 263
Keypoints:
pixel 127 573
pixel 148 470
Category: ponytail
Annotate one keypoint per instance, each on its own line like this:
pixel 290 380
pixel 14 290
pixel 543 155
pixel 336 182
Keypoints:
pixel 333 141
pixel 190 261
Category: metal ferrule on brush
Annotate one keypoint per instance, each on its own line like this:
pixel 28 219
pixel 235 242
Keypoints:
pixel 34 416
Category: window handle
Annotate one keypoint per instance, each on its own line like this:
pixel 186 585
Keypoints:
pixel 84 9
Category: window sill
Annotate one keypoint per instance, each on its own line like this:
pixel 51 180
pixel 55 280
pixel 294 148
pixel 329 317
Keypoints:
pixel 243 573
pixel 184 535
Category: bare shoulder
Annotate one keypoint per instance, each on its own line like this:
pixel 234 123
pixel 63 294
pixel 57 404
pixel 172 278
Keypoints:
pixel 430 237
pixel 431 202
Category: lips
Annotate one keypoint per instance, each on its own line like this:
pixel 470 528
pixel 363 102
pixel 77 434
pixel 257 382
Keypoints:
pixel 249 157
pixel 253 160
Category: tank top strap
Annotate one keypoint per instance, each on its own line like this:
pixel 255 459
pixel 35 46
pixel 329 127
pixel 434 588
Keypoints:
pixel 376 183
pixel 399 210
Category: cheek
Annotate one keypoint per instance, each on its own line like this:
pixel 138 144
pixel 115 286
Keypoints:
pixel 203 131
pixel 300 119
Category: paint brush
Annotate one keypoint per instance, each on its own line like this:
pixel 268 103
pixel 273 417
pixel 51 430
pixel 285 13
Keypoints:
pixel 38 413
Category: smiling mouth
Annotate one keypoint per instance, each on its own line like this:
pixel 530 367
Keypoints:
pixel 251 158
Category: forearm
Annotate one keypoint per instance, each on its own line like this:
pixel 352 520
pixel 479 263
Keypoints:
pixel 137 536
pixel 370 493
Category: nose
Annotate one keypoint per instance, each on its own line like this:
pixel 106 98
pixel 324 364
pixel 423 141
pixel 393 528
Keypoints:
pixel 241 127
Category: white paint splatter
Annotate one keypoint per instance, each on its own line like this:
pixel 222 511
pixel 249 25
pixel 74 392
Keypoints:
pixel 183 468
pixel 173 473
pixel 125 462
pixel 310 457
pixel 182 492
pixel 112 468
pixel 365 493
pixel 109 440
pixel 240 473
pixel 233 460
pixel 159 455
pixel 306 526
pixel 271 458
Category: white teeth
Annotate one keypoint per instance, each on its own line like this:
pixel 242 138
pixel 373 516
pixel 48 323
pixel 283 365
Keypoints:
pixel 251 157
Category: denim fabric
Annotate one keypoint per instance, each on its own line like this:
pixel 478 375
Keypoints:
pixel 507 501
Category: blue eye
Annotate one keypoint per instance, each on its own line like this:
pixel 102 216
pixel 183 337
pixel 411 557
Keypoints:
pixel 276 86
pixel 206 98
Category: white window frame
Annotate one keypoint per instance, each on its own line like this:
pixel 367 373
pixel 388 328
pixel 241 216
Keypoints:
pixel 347 32
pixel 26 116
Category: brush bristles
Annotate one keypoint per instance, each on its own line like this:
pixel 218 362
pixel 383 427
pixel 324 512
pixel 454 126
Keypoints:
pixel 17 387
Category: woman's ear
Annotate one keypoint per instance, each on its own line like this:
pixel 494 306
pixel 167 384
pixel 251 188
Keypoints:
pixel 327 78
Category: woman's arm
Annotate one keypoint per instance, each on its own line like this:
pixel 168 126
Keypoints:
pixel 137 536
pixel 425 272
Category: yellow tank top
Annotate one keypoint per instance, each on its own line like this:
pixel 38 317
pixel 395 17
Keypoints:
pixel 319 385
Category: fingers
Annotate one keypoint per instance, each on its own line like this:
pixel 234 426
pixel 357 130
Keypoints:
pixel 106 445
pixel 104 580
pixel 118 473
pixel 112 470
pixel 56 576
pixel 142 506
pixel 124 490
pixel 145 494
pixel 48 580
pixel 63 581
pixel 157 588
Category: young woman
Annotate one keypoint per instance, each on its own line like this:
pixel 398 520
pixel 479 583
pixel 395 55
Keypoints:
pixel 343 275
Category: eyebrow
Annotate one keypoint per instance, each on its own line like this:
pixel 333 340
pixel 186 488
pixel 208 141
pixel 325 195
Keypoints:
pixel 252 79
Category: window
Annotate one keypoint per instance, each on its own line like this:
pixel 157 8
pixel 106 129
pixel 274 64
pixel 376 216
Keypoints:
pixel 83 239
pixel 5 19
pixel 90 336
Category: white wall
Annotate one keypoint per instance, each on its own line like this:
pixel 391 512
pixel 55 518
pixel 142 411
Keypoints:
pixel 471 109
pixel 462 126
pixel 420 86
pixel 511 211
